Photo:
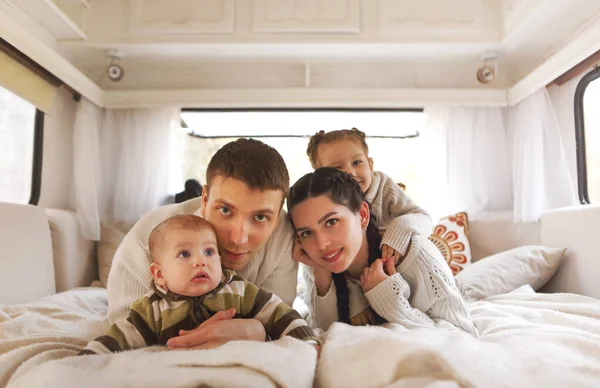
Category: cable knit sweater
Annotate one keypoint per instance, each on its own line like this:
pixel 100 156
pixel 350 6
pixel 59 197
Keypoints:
pixel 422 293
pixel 395 213
pixel 272 267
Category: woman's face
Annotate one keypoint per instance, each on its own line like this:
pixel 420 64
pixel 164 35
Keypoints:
pixel 331 234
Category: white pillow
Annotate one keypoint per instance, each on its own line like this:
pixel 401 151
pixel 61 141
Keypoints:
pixel 506 271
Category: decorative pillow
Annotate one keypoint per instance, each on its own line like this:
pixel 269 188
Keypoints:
pixel 450 236
pixel 506 271
pixel 110 238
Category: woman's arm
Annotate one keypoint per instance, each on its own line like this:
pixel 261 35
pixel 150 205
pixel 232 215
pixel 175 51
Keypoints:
pixel 323 309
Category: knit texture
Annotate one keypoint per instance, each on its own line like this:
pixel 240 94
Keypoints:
pixel 421 294
pixel 395 213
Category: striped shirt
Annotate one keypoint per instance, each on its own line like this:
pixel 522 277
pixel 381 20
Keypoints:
pixel 161 314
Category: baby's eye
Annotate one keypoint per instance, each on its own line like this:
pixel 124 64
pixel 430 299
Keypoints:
pixel 184 254
pixel 209 252
pixel 331 222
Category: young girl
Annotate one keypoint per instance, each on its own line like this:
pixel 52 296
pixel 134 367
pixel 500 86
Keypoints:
pixel 349 282
pixel 395 213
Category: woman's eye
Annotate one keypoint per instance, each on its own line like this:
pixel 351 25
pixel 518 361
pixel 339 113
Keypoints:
pixel 184 254
pixel 261 218
pixel 209 252
pixel 225 211
pixel 331 222
pixel 305 234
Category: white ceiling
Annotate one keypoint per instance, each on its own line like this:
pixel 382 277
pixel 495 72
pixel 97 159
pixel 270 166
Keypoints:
pixel 238 44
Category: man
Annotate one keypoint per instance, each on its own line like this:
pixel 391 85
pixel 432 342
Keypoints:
pixel 246 184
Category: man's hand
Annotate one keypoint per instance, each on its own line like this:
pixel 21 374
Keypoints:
pixel 218 330
pixel 375 274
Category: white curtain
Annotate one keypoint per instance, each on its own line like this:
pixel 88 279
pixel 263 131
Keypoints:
pixel 540 173
pixel 477 175
pixel 86 168
pixel 136 161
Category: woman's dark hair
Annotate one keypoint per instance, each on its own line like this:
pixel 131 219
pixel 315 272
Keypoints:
pixel 343 190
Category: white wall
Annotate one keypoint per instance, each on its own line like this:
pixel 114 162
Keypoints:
pixel 563 100
pixel 57 166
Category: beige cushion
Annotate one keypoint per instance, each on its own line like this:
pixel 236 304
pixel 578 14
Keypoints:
pixel 111 236
pixel 26 268
pixel 509 270
pixel 74 256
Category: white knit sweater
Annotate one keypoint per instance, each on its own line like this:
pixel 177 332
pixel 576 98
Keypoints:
pixel 272 267
pixel 422 293
pixel 395 213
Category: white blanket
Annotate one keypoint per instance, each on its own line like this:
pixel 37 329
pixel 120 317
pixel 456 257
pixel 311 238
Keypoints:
pixel 526 340
pixel 39 343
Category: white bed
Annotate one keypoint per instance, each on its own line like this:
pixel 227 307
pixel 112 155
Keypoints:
pixel 526 339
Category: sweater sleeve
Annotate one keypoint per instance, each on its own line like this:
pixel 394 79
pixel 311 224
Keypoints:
pixel 407 218
pixel 278 318
pixel 434 298
pixel 323 309
pixel 137 331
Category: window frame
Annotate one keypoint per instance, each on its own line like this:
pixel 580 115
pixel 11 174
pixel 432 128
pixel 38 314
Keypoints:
pixel 582 184
pixel 38 153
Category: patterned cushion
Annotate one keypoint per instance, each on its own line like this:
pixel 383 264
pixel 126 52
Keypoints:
pixel 450 236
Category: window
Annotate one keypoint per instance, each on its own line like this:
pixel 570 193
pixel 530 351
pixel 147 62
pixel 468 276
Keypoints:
pixel 393 137
pixel 587 136
pixel 21 127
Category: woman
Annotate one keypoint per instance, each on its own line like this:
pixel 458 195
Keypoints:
pixel 349 282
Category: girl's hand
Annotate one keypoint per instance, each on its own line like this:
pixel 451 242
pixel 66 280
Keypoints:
pixel 375 274
pixel 387 252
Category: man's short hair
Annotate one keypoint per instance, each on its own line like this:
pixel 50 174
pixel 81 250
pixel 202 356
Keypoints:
pixel 181 221
pixel 253 162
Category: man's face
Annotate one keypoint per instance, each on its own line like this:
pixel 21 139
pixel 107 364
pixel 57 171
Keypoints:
pixel 243 218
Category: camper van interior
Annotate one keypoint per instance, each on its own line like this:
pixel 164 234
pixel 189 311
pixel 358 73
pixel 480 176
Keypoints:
pixel 484 113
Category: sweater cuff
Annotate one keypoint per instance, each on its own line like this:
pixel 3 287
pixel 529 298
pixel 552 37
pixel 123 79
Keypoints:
pixel 397 238
pixel 385 296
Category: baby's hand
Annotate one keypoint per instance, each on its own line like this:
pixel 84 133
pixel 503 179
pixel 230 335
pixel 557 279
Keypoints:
pixel 375 274
pixel 387 252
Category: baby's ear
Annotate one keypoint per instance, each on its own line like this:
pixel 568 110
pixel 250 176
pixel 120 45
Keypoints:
pixel 157 274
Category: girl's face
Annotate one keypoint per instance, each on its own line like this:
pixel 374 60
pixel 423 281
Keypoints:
pixel 349 156
pixel 331 234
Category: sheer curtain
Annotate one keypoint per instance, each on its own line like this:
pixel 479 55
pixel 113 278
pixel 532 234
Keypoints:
pixel 470 149
pixel 487 159
pixel 540 173
pixel 135 146
pixel 86 168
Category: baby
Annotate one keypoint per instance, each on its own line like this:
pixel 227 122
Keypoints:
pixel 190 286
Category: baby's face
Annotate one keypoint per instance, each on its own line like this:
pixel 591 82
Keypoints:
pixel 188 262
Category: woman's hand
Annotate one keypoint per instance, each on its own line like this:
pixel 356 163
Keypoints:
pixel 322 275
pixel 218 330
pixel 376 273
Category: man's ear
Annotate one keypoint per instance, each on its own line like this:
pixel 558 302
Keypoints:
pixel 157 274
pixel 204 200
pixel 371 164
pixel 364 214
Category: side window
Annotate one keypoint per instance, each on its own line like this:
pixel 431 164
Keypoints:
pixel 21 137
